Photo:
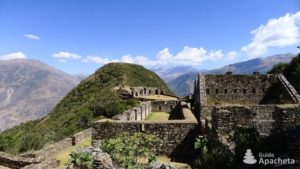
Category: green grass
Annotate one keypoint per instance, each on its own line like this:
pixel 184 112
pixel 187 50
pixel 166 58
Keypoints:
pixel 64 156
pixel 158 116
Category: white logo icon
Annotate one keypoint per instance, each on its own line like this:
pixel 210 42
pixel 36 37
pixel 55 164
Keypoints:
pixel 249 158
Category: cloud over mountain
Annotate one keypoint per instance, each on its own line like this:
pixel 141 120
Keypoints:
pixel 277 32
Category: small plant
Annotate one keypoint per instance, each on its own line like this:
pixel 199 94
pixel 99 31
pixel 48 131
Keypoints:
pixel 82 160
pixel 132 152
pixel 201 143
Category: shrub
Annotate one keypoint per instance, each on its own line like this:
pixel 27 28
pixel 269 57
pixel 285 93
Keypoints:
pixel 31 141
pixel 132 152
pixel 82 160
pixel 213 155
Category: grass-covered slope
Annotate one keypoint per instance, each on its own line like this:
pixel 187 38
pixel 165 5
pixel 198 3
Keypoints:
pixel 92 98
pixel 290 70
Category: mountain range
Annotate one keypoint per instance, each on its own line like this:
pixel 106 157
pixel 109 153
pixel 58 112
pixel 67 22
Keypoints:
pixel 30 89
pixel 183 84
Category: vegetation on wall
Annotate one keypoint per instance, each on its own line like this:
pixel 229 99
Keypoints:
pixel 92 99
pixel 132 152
pixel 291 71
pixel 82 160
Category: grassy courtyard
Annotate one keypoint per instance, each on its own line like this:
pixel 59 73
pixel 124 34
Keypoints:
pixel 158 116
pixel 64 156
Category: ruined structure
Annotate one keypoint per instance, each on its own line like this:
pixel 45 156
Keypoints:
pixel 220 105
pixel 177 134
pixel 135 92
pixel 266 103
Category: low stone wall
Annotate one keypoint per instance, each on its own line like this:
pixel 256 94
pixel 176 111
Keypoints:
pixel 39 156
pixel 51 164
pixel 135 113
pixel 11 161
pixel 77 138
pixel 177 136
pixel 51 149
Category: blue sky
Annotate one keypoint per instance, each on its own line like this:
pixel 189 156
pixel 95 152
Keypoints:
pixel 79 36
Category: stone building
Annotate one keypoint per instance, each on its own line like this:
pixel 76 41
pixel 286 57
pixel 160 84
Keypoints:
pixel 139 91
pixel 266 103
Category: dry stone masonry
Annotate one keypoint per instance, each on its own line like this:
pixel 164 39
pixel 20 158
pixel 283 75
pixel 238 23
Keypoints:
pixel 266 103
pixel 177 136
pixel 136 113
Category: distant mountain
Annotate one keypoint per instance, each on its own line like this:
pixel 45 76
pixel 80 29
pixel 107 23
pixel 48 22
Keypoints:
pixel 262 65
pixel 183 85
pixel 168 74
pixel 80 77
pixel 93 98
pixel 30 89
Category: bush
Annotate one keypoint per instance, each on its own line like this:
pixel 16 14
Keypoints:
pixel 213 155
pixel 132 152
pixel 82 160
pixel 31 142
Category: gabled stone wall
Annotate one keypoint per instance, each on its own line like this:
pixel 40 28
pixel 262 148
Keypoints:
pixel 243 89
pixel 136 113
pixel 237 89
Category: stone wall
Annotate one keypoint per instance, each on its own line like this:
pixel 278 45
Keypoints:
pixel 266 119
pixel 242 89
pixel 39 156
pixel 136 113
pixel 163 106
pixel 226 118
pixel 49 164
pixel 145 91
pixel 59 146
pixel 11 161
pixel 177 136
pixel 287 117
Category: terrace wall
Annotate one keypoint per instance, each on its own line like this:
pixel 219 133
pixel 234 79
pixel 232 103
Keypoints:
pixel 177 136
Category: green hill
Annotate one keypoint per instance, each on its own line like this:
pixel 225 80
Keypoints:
pixel 290 70
pixel 92 99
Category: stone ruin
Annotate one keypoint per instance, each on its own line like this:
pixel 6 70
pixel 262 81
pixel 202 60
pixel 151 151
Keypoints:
pixel 139 91
pixel 177 134
pixel 219 105
pixel 266 103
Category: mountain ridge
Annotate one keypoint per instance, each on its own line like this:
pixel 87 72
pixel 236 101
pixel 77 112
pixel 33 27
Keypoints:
pixel 183 85
pixel 29 89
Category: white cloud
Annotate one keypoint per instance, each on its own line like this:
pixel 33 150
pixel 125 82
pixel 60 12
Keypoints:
pixel 231 55
pixel 96 59
pixel 66 55
pixel 135 59
pixel 278 32
pixel 164 56
pixel 16 55
pixel 32 37
pixel 188 56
